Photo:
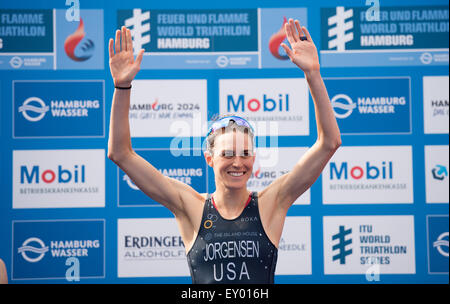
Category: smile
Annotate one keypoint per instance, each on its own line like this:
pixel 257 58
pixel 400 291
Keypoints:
pixel 236 173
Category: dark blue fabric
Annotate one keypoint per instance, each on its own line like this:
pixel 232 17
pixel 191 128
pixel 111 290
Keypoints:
pixel 232 251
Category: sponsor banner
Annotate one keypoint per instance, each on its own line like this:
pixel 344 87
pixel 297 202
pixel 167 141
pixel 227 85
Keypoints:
pixel 209 39
pixel 272 163
pixel 168 108
pixel 437 237
pixel 80 44
pixel 275 107
pixel 187 166
pixel 50 39
pixel 150 248
pixel 294 249
pixel 436 174
pixel 58 249
pixel 435 104
pixel 58 109
pixel 369 175
pixel 371 105
pixel 370 245
pixel 393 36
pixel 58 178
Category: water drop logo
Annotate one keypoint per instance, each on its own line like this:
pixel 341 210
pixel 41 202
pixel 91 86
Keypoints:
pixel 77 48
pixel 275 42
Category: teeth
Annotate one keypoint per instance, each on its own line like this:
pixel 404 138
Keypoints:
pixel 236 173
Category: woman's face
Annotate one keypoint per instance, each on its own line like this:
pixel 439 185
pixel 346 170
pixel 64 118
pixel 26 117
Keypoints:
pixel 232 159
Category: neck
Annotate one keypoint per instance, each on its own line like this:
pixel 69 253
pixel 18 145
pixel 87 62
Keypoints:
pixel 230 201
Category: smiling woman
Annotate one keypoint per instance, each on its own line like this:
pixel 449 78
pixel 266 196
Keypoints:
pixel 232 234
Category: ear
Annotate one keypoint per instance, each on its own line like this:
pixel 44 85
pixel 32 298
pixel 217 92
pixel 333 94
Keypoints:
pixel 208 158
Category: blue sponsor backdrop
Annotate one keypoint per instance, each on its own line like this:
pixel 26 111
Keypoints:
pixel 379 72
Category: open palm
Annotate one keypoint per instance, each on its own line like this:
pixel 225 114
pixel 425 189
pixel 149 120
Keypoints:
pixel 121 62
pixel 303 52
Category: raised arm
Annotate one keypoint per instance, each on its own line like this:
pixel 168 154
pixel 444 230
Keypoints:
pixel 165 190
pixel 303 53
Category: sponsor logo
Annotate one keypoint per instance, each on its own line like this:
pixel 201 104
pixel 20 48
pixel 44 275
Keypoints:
pixel 354 244
pixel 436 174
pixel 339 32
pixel 439 172
pixel 371 105
pixel 441 244
pixel 435 104
pixel 275 42
pixel 58 108
pixel 58 178
pixel 16 62
pixel 438 244
pixel 76 48
pixel 341 245
pixel 42 249
pixel 369 175
pixel 138 33
pixel 33 105
pixel 160 253
pixel 265 104
pixel 26 248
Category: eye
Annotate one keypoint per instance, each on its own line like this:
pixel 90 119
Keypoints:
pixel 227 154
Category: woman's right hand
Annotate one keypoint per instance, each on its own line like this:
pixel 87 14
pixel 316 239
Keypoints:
pixel 121 63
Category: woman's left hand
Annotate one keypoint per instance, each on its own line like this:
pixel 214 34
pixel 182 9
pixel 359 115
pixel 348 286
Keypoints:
pixel 303 52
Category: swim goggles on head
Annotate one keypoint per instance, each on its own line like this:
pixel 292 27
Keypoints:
pixel 223 123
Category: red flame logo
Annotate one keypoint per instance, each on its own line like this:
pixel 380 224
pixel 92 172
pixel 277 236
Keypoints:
pixel 275 42
pixel 85 49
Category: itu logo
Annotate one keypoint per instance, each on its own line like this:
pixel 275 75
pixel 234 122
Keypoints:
pixel 441 243
pixel 264 104
pixel 343 105
pixel 343 242
pixel 38 250
pixel 36 106
pixel 340 28
pixel 439 172
pixel 139 28
pixel 275 42
pixel 76 48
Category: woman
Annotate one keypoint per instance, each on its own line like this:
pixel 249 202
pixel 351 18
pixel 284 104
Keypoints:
pixel 232 235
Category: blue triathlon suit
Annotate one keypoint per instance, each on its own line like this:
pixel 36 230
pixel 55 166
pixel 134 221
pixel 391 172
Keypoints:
pixel 232 251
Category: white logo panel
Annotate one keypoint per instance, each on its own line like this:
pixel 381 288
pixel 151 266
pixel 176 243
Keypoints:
pixel 366 175
pixel 436 174
pixel 275 107
pixel 294 249
pixel 435 104
pixel 272 163
pixel 168 108
pixel 355 244
pixel 150 248
pixel 58 178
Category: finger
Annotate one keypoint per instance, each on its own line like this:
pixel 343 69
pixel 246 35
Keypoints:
pixel 308 36
pixel 129 41
pixel 299 28
pixel 288 31
pixel 287 50
pixel 117 41
pixel 111 48
pixel 124 38
pixel 294 32
pixel 139 57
